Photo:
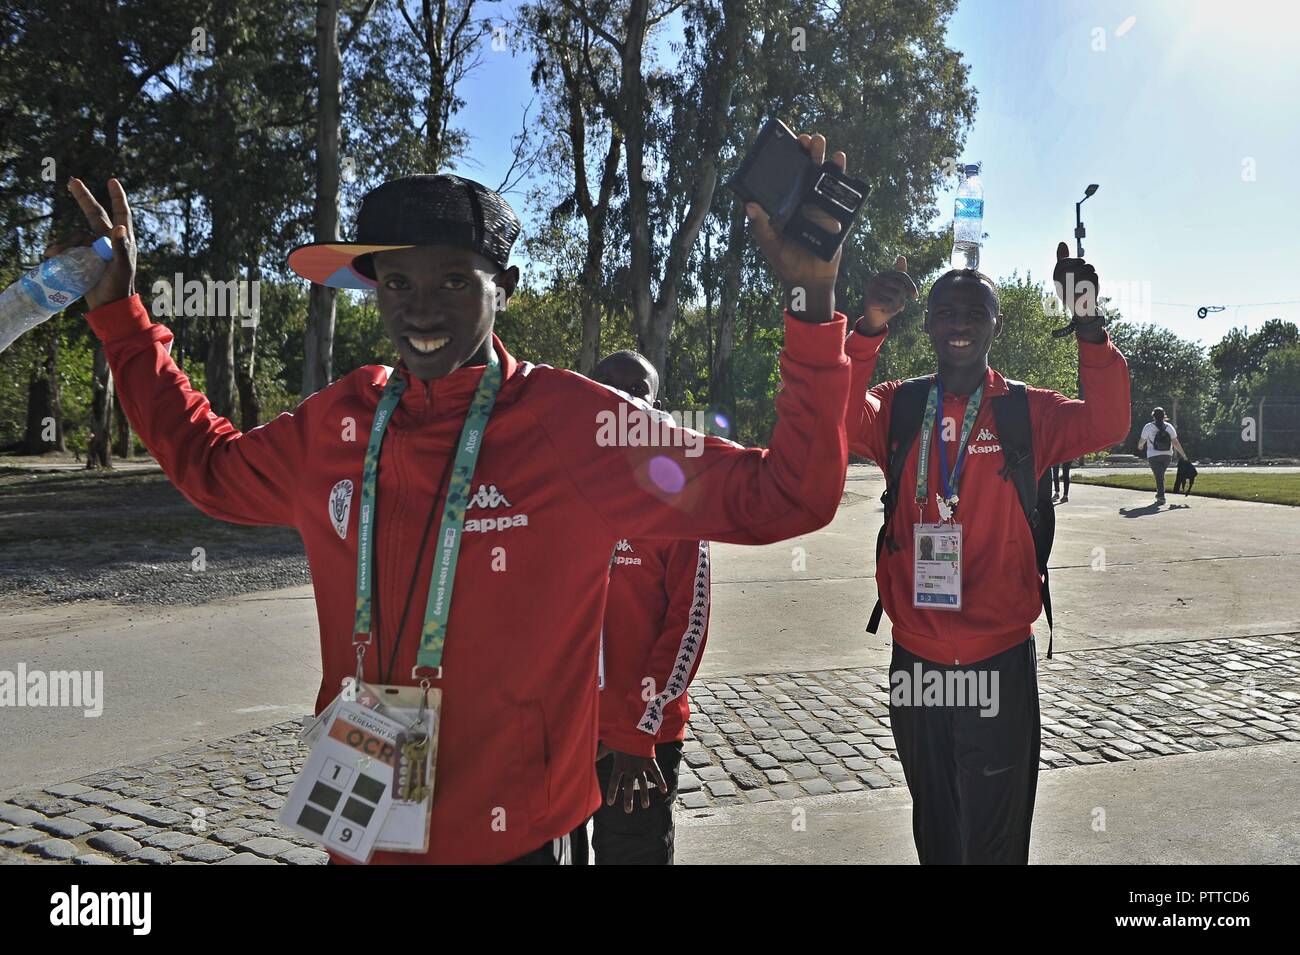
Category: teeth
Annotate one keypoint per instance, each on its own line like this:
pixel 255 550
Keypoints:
pixel 427 345
pixel 959 342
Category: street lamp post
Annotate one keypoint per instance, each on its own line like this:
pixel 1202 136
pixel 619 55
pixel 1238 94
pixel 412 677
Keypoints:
pixel 1079 231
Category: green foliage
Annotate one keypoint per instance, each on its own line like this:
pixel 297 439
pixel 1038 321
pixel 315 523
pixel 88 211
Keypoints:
pixel 1167 371
pixel 216 149
pixel 359 337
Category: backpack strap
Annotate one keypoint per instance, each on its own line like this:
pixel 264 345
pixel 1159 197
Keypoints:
pixel 1011 412
pixel 906 409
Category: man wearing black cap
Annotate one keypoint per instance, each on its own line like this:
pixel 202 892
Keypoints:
pixel 464 545
pixel 963 685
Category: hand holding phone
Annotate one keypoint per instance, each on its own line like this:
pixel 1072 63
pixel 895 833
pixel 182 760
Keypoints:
pixel 809 278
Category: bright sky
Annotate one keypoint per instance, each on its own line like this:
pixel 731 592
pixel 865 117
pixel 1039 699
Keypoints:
pixel 1186 112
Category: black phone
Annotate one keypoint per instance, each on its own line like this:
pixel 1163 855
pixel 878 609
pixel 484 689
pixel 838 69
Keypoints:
pixel 779 175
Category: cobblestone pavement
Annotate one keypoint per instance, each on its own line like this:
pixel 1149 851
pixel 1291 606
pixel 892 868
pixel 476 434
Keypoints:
pixel 753 739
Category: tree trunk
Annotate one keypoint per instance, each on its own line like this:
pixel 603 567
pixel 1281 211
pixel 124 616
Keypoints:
pixel 318 343
pixel 654 315
pixel 56 391
pixel 124 440
pixel 318 368
pixel 632 108
pixel 99 453
pixel 436 31
pixel 250 402
pixel 221 365
pixel 594 211
pixel 589 353
pixel 38 413
pixel 722 384
pixel 43 400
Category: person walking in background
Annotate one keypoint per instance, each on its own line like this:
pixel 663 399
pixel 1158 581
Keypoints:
pixel 1161 442
pixel 1061 476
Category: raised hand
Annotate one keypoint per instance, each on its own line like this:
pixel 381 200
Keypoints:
pixel 887 293
pixel 809 281
pixel 1076 284
pixel 1078 287
pixel 119 278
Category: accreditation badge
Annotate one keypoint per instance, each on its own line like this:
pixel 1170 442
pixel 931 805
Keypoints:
pixel 936 566
pixel 344 793
pixel 407 826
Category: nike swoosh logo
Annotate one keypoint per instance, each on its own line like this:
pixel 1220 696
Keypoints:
pixel 997 772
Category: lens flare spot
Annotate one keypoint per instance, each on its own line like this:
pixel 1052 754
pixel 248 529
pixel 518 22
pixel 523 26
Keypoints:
pixel 667 474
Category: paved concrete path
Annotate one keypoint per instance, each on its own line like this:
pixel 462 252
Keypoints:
pixel 1202 568
pixel 1229 807
pixel 1123 577
pixel 173 675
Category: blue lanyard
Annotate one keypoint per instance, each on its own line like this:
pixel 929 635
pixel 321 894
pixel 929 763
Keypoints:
pixel 930 423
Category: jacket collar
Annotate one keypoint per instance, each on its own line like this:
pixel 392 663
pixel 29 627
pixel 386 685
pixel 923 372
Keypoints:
pixel 994 384
pixel 456 388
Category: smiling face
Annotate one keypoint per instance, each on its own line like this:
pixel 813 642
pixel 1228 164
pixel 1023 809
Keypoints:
pixel 437 303
pixel 962 320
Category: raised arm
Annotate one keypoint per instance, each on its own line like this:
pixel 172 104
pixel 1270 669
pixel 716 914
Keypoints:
pixel 721 491
pixel 1066 428
pixel 865 419
pixel 245 478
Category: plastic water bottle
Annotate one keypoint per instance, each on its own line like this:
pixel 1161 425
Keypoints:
pixel 968 220
pixel 51 287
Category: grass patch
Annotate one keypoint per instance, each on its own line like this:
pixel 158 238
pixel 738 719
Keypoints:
pixel 1268 488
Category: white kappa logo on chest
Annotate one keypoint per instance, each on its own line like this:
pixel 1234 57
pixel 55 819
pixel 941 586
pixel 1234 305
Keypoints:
pixel 487 495
pixel 984 435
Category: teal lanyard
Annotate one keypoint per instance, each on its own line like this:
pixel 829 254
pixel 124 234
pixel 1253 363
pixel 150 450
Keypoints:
pixel 433 636
pixel 928 423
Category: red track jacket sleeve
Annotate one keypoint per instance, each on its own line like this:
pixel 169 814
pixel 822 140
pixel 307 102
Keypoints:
pixel 867 419
pixel 664 624
pixel 720 490
pixel 243 477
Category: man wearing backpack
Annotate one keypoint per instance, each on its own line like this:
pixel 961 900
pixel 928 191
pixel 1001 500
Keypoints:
pixel 1160 441
pixel 963 678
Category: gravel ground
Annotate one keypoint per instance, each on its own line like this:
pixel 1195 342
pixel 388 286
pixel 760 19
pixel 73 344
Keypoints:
pixel 129 537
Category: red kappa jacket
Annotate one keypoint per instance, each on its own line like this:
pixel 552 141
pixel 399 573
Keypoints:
pixel 1000 587
pixel 552 497
pixel 656 623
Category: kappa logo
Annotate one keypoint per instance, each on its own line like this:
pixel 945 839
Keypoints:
pixel 984 435
pixel 340 507
pixel 623 547
pixel 487 495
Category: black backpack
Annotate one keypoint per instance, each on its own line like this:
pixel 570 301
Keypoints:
pixel 1162 441
pixel 1011 412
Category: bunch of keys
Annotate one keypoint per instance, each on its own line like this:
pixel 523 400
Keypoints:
pixel 411 770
